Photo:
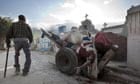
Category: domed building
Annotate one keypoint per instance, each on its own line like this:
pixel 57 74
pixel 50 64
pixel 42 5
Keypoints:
pixel 87 24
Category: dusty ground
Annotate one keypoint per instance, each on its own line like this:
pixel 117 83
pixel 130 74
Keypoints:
pixel 44 71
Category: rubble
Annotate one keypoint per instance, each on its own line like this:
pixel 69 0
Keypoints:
pixel 115 73
pixel 121 74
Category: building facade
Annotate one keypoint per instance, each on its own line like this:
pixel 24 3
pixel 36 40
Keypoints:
pixel 87 24
pixel 133 40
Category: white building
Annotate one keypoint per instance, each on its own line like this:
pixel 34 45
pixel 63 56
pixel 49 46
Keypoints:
pixel 133 40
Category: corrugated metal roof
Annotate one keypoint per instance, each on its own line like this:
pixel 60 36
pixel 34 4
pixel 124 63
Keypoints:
pixel 112 27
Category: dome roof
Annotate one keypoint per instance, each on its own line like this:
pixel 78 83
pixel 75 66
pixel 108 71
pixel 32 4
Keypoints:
pixel 86 22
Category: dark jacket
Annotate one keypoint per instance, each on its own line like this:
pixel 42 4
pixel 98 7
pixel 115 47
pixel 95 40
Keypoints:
pixel 19 30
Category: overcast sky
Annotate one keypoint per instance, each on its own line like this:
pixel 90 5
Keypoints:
pixel 49 12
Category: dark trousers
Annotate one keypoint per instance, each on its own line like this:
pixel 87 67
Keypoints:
pixel 22 43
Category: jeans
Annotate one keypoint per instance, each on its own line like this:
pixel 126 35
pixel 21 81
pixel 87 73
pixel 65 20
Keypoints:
pixel 22 43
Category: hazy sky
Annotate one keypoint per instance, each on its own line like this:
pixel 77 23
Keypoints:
pixel 48 12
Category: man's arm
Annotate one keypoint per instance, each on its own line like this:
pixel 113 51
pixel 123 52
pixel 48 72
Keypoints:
pixel 88 62
pixel 9 35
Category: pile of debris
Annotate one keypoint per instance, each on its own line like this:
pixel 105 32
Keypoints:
pixel 121 74
pixel 121 41
pixel 115 73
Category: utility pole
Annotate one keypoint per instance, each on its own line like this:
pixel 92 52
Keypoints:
pixel 105 24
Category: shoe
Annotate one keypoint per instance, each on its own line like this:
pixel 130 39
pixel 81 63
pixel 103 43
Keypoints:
pixel 24 73
pixel 17 70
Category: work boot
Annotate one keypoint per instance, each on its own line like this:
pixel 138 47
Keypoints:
pixel 25 72
pixel 17 69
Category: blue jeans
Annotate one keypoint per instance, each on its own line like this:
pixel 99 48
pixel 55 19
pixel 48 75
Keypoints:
pixel 22 43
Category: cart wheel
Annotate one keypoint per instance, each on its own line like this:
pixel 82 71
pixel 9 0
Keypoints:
pixel 66 60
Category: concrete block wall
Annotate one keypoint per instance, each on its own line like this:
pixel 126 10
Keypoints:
pixel 133 39
pixel 133 59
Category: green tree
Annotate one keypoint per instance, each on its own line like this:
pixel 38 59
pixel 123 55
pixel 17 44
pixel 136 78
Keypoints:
pixel 5 23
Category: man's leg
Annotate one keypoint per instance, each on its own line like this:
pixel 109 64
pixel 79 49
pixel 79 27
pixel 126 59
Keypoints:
pixel 28 58
pixel 17 53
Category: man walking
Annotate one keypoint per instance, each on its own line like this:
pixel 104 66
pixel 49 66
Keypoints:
pixel 22 36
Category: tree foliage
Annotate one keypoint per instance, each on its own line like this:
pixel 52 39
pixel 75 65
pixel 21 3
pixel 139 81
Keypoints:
pixel 5 23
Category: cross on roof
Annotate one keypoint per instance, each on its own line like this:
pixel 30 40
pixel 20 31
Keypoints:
pixel 105 24
pixel 86 16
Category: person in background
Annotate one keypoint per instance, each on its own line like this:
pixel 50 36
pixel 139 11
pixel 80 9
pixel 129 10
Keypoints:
pixel 102 44
pixel 21 33
pixel 72 38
